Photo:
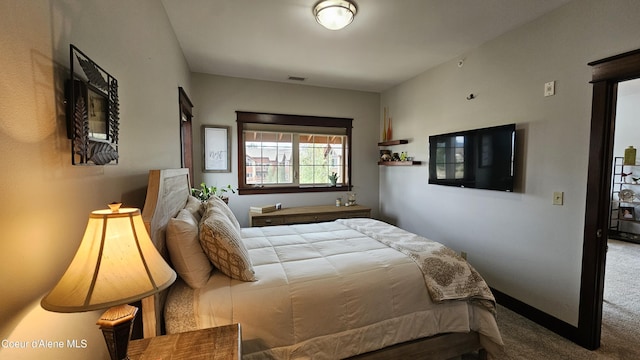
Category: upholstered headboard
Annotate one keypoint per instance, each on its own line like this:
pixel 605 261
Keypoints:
pixel 167 193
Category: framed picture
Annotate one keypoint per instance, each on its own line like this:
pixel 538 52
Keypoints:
pixel 216 148
pixel 93 112
pixel 626 213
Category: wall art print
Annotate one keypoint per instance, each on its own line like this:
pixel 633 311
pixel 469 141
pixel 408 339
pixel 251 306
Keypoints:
pixel 216 148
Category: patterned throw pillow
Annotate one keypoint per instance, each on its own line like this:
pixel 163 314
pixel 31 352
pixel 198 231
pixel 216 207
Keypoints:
pixel 221 241
pixel 216 202
pixel 185 251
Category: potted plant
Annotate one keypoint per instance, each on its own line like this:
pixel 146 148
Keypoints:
pixel 204 192
pixel 333 178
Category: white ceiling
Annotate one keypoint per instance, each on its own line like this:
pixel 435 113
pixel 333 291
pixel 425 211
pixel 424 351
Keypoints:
pixel 389 41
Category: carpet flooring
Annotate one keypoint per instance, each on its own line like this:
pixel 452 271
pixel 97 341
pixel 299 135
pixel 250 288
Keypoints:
pixel 620 339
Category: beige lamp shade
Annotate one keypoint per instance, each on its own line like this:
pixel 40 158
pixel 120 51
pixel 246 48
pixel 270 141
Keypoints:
pixel 115 264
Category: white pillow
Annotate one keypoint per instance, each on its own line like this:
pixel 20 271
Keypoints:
pixel 222 243
pixel 185 251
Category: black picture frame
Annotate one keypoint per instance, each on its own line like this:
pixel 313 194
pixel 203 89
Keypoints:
pixel 92 112
pixel 626 213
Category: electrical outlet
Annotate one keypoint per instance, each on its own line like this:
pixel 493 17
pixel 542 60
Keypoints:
pixel 550 88
pixel 558 198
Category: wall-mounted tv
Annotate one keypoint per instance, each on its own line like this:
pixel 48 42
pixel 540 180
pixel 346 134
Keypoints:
pixel 479 158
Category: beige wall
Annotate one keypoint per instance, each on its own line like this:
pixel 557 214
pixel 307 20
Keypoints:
pixel 216 99
pixel 46 200
pixel 523 245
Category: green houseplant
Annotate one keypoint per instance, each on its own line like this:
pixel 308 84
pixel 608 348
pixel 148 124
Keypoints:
pixel 204 192
pixel 333 178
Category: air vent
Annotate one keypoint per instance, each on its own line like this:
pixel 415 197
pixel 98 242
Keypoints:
pixel 297 78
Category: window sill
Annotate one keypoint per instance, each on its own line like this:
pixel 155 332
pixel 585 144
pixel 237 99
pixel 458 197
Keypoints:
pixel 292 189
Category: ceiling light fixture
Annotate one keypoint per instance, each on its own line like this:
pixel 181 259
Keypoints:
pixel 334 14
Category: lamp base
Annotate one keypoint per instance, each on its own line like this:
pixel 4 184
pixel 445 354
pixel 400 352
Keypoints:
pixel 116 324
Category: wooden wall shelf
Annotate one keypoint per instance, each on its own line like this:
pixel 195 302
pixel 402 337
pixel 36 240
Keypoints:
pixel 393 142
pixel 399 163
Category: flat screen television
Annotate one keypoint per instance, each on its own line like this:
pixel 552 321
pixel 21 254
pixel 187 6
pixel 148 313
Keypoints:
pixel 479 158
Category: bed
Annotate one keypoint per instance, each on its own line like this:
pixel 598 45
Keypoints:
pixel 350 288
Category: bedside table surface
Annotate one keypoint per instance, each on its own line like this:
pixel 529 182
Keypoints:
pixel 307 214
pixel 217 343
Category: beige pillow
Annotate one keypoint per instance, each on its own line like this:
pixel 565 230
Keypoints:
pixel 222 243
pixel 218 203
pixel 185 251
pixel 195 207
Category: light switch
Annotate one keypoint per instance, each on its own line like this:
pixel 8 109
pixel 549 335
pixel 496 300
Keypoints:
pixel 550 88
pixel 558 198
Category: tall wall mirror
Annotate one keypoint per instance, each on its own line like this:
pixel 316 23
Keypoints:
pixel 92 112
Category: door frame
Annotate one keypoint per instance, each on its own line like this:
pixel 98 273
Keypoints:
pixel 186 132
pixel 606 74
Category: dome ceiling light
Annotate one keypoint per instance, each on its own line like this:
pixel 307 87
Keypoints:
pixel 334 14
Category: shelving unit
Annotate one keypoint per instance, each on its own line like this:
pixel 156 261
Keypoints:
pixel 399 163
pixel 624 218
pixel 396 163
pixel 392 142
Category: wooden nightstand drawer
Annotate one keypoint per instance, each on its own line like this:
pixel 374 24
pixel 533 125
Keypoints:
pixel 358 214
pixel 267 221
pixel 309 218
pixel 218 343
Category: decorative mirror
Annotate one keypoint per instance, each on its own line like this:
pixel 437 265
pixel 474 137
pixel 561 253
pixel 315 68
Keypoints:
pixel 93 113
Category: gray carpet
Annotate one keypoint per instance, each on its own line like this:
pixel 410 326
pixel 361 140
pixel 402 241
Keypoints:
pixel 621 320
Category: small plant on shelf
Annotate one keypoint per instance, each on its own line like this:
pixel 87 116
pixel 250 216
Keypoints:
pixel 333 178
pixel 204 192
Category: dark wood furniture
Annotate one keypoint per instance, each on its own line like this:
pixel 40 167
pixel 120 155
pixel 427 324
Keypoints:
pixel 307 214
pixel 217 343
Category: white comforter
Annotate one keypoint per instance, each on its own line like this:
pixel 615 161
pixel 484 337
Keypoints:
pixel 327 291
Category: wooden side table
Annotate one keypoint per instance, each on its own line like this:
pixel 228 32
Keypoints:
pixel 217 343
pixel 307 214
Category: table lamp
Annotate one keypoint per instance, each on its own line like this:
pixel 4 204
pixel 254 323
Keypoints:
pixel 116 264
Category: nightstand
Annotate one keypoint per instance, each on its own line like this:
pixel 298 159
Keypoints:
pixel 307 214
pixel 217 343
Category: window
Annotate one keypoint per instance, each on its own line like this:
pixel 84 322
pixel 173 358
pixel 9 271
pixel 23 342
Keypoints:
pixel 291 153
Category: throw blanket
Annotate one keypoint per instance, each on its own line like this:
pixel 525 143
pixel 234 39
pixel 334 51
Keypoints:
pixel 446 274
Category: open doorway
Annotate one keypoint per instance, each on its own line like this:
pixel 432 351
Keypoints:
pixel 607 74
pixel 625 191
pixel 621 310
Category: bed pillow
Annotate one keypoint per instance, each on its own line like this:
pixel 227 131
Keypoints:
pixel 185 251
pixel 218 203
pixel 222 243
pixel 195 207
